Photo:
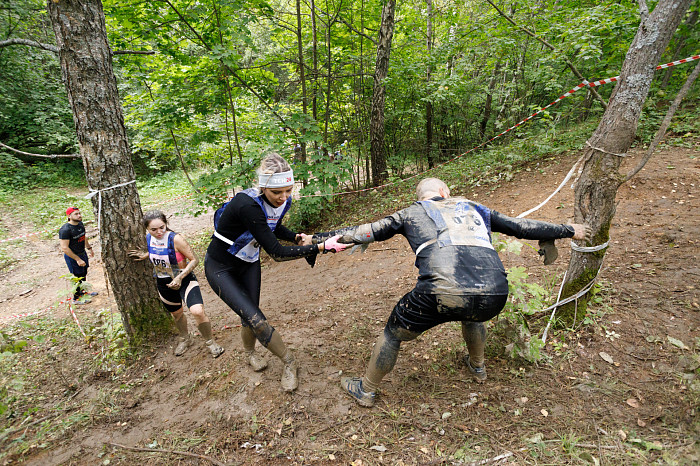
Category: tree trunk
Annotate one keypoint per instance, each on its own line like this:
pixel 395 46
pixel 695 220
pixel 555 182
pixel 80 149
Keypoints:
pixel 386 33
pixel 302 78
pixel 597 187
pixel 489 101
pixel 86 65
pixel 429 104
pixel 314 49
pixel 689 25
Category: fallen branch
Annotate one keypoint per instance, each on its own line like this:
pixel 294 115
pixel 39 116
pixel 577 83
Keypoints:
pixel 20 427
pixel 590 445
pixel 54 49
pixel 50 156
pixel 171 452
pixel 503 456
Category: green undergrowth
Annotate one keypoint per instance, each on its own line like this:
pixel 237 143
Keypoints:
pixel 44 363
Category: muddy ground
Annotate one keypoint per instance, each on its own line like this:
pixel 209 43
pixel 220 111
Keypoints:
pixel 617 390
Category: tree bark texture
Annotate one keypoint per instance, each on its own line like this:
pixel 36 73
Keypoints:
pixel 86 65
pixel 376 130
pixel 600 177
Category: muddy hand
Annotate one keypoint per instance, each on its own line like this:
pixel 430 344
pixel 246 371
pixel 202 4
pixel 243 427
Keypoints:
pixel 175 284
pixel 582 231
pixel 332 245
pixel 137 255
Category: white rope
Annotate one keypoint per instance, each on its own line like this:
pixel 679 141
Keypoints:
pixel 98 192
pixel 566 179
pixel 604 151
pixel 558 304
pixel 578 248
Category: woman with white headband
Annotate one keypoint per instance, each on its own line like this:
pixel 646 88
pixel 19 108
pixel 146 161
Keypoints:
pixel 253 219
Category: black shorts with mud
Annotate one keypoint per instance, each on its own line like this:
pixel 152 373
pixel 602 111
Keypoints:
pixel 417 312
pixel 189 293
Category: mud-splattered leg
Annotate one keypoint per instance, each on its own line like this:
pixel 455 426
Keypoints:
pixel 384 355
pixel 474 334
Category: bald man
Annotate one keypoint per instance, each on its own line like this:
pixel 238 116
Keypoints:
pixel 460 276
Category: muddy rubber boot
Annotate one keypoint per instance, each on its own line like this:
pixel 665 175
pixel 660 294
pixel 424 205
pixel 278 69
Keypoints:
pixel 257 362
pixel 182 344
pixel 290 382
pixel 478 373
pixel 215 349
pixel 353 387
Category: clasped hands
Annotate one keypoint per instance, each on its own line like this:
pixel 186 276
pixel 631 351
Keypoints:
pixel 330 245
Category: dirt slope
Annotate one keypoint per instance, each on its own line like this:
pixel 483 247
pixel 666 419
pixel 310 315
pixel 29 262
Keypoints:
pixel 429 409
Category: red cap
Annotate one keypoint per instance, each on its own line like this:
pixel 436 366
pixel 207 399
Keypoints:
pixel 70 210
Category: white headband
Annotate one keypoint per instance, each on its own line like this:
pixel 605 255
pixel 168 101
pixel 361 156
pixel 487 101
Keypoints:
pixel 276 180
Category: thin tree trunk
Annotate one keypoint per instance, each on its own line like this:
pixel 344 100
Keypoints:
pixel 182 160
pixel 86 65
pixel 386 34
pixel 689 25
pixel 314 48
pixel 600 178
pixel 429 104
pixel 302 78
pixel 489 101
pixel 230 97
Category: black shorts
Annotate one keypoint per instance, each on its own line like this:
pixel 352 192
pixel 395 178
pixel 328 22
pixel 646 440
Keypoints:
pixel 189 293
pixel 418 312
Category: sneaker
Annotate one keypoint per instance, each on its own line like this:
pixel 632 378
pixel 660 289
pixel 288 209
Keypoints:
pixel 290 382
pixel 257 362
pixel 182 345
pixel 81 301
pixel 215 349
pixel 479 373
pixel 92 293
pixel 353 386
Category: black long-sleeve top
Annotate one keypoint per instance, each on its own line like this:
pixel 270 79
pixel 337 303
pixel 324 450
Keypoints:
pixel 470 266
pixel 244 214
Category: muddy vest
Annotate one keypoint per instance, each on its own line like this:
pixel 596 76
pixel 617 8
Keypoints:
pixel 459 223
pixel 163 255
pixel 245 247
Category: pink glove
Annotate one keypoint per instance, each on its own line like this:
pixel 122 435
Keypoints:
pixel 332 245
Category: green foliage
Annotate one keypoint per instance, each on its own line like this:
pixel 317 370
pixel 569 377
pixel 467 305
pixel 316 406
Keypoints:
pixel 34 112
pixel 108 334
pixel 17 175
pixel 10 384
pixel 525 299
pixel 45 208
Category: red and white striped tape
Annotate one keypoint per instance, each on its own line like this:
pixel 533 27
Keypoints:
pixel 520 123
pixel 75 318
pixel 28 314
pixel 24 236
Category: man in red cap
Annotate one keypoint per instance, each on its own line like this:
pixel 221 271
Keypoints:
pixel 75 245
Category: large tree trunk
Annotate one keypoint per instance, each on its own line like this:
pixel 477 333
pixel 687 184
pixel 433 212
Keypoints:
pixel 376 130
pixel 597 187
pixel 86 64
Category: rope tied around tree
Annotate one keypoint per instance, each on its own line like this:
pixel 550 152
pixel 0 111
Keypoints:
pixel 98 192
pixel 604 151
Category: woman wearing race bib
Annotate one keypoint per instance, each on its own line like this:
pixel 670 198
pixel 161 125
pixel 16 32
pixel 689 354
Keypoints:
pixel 174 261
pixel 253 218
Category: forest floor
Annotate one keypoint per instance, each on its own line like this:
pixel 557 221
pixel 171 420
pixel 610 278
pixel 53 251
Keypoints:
pixel 621 388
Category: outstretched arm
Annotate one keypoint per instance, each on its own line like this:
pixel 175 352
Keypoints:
pixel 525 228
pixel 367 233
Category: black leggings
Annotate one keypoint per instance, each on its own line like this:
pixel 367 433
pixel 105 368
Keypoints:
pixel 238 285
